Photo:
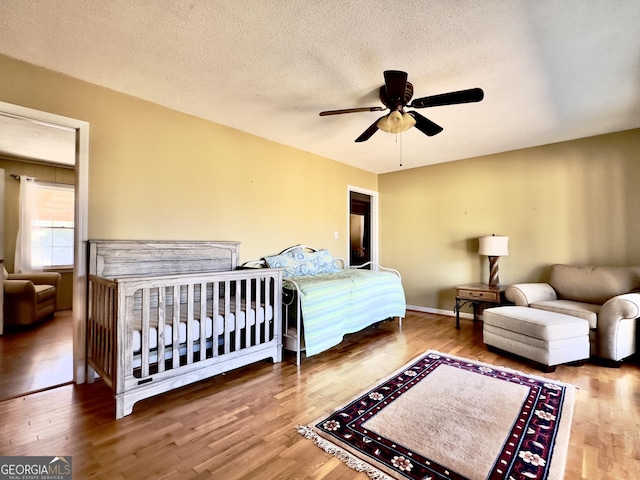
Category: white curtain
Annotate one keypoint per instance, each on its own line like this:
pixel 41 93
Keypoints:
pixel 27 233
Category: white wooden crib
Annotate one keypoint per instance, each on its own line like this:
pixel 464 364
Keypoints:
pixel 163 315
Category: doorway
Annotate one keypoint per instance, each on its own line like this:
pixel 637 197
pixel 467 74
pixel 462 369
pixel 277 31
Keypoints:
pixel 362 227
pixel 80 156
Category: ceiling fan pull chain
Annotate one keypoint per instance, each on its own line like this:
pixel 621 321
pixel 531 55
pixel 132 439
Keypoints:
pixel 400 135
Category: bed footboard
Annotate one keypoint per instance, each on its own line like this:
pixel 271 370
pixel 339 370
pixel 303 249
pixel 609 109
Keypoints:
pixel 149 335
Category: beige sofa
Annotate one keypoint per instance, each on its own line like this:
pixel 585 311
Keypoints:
pixel 607 297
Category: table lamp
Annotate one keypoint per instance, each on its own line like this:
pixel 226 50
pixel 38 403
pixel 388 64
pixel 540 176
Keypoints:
pixel 494 246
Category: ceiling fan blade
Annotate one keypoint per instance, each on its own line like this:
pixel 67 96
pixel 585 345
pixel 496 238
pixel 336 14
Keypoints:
pixel 451 98
pixel 396 85
pixel 366 135
pixel 351 110
pixel 425 125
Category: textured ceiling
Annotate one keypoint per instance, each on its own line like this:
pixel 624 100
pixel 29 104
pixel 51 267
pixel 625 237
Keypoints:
pixel 551 70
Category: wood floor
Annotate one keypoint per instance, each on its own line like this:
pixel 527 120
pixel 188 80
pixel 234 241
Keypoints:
pixel 36 357
pixel 242 425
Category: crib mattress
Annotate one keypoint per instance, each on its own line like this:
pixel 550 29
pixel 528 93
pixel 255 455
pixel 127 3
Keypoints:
pixel 223 324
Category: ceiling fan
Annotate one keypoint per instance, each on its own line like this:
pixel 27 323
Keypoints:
pixel 395 95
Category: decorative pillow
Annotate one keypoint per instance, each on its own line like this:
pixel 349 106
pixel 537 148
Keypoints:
pixel 322 262
pixel 293 262
pixel 297 262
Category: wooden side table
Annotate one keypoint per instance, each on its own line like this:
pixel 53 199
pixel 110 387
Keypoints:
pixel 476 294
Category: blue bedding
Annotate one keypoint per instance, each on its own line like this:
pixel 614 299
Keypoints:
pixel 338 303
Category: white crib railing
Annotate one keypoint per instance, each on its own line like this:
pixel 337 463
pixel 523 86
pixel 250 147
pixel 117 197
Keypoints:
pixel 149 335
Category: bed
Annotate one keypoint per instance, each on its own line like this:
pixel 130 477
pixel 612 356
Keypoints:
pixel 323 300
pixel 162 315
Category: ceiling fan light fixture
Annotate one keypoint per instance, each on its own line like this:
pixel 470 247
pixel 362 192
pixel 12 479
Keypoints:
pixel 396 122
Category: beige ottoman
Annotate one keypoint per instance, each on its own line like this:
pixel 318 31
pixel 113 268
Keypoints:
pixel 548 338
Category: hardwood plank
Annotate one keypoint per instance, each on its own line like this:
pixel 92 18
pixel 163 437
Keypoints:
pixel 241 425
pixel 36 357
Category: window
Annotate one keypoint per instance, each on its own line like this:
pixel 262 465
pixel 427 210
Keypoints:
pixel 53 226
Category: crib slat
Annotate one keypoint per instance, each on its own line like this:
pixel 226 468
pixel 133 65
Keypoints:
pixel 91 324
pixel 175 334
pixel 227 313
pixel 238 311
pixel 109 331
pixel 203 321
pixel 214 316
pixel 161 326
pixel 97 325
pixel 190 297
pixel 267 300
pixel 95 350
pixel 105 327
pixel 100 327
pixel 258 303
pixel 124 327
pixel 146 332
pixel 246 297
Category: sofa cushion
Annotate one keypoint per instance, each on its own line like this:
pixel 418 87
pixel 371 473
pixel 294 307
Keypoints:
pixel 593 284
pixel 44 292
pixel 587 311
pixel 536 323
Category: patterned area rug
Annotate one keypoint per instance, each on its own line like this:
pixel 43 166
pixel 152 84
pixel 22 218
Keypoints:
pixel 442 417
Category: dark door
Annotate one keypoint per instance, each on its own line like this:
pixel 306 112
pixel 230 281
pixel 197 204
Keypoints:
pixel 360 228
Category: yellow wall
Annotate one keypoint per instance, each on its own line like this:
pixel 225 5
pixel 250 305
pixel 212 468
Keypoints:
pixel 159 174
pixel 155 173
pixel 574 202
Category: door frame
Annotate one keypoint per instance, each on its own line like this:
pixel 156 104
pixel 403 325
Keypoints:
pixel 81 227
pixel 374 219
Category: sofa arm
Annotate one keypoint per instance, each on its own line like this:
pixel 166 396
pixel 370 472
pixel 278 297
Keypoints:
pixel 38 278
pixel 524 294
pixel 616 338
pixel 622 306
pixel 22 288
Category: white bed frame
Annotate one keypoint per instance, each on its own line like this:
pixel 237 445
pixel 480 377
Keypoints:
pixel 126 293
pixel 292 330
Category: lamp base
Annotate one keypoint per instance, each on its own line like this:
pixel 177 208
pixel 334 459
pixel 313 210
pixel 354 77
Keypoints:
pixel 494 277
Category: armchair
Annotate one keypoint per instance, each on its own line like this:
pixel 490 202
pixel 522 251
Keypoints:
pixel 30 297
pixel 607 297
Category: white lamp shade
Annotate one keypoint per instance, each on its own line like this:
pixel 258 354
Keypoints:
pixel 494 246
pixel 396 122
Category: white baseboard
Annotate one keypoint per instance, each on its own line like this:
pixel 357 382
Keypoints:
pixel 438 311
